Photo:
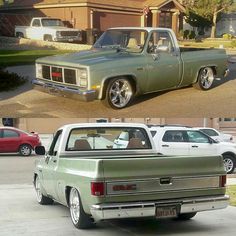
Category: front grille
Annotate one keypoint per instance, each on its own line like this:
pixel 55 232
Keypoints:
pixel 46 72
pixel 59 74
pixel 69 76
pixel 69 33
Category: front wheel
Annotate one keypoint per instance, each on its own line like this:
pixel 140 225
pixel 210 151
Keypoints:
pixel 79 218
pixel 229 163
pixel 43 200
pixel 205 79
pixel 119 93
pixel 25 150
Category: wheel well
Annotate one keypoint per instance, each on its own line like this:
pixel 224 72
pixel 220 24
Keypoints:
pixel 67 193
pixel 212 67
pixel 231 154
pixel 129 77
pixel 35 175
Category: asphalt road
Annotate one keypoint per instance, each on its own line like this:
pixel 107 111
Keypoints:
pixel 187 102
pixel 20 214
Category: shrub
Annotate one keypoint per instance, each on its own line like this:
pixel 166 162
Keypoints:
pixel 227 36
pixel 186 34
pixel 192 35
pixel 233 43
pixel 10 81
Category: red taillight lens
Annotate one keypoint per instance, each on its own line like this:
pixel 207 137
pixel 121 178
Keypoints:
pixel 223 181
pixel 97 188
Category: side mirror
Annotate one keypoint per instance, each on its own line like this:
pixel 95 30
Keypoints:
pixel 40 150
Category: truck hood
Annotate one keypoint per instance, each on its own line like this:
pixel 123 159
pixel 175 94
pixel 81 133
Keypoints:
pixel 86 58
pixel 61 28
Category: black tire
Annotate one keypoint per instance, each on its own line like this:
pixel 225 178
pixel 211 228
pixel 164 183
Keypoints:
pixel 19 35
pixel 25 150
pixel 47 38
pixel 186 216
pixel 119 93
pixel 229 163
pixel 41 199
pixel 205 79
pixel 78 217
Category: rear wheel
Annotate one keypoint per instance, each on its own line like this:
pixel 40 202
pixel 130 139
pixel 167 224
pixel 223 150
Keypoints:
pixel 19 35
pixel 205 79
pixel 119 93
pixel 48 38
pixel 43 200
pixel 186 216
pixel 79 218
pixel 229 163
pixel 25 150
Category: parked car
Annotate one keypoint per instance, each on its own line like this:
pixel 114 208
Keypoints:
pixel 13 140
pixel 108 182
pixel 48 29
pixel 216 135
pixel 127 62
pixel 177 140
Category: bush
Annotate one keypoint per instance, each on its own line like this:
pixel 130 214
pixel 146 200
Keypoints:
pixel 227 36
pixel 10 81
pixel 192 35
pixel 186 34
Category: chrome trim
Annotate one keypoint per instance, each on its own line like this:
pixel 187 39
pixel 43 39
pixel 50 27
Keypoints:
pixel 47 86
pixel 148 209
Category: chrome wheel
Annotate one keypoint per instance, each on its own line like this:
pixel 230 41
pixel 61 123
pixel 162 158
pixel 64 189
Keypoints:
pixel 74 206
pixel 120 93
pixel 38 190
pixel 206 78
pixel 25 150
pixel 229 165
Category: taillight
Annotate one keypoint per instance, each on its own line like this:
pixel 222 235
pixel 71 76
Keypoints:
pixel 97 188
pixel 222 181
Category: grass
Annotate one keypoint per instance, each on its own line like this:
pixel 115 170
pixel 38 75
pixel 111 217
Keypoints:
pixel 231 191
pixel 23 57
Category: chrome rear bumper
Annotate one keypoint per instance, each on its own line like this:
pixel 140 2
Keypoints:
pixel 148 209
pixel 87 95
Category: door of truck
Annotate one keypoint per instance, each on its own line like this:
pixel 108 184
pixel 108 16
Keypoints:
pixel 50 166
pixel 34 31
pixel 163 62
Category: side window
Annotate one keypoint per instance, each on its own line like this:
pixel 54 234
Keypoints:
pixel 160 41
pixel 210 132
pixel 10 134
pixel 36 23
pixel 197 137
pixel 174 136
pixel 55 144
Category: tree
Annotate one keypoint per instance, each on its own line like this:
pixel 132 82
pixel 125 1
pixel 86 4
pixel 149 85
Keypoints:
pixel 208 10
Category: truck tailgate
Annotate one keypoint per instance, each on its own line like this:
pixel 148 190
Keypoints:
pixel 162 177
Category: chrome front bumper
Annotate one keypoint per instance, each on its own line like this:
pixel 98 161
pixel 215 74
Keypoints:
pixel 148 209
pixel 88 95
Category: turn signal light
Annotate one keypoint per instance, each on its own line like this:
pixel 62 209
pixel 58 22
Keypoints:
pixel 223 181
pixel 97 188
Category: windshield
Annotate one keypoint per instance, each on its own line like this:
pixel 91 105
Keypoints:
pixel 123 39
pixel 52 22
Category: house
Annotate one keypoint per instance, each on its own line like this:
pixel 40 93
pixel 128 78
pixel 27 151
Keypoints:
pixel 95 14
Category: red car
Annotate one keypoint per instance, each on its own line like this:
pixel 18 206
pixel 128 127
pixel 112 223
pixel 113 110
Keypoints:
pixel 15 140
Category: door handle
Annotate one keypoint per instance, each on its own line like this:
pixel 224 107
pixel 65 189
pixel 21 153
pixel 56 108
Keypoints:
pixel 195 146
pixel 54 161
pixel 165 145
pixel 165 181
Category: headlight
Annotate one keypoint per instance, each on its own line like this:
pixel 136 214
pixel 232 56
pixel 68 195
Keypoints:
pixel 83 77
pixel 38 71
pixel 58 33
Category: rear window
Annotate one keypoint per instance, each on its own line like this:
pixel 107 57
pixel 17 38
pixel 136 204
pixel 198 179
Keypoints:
pixel 107 138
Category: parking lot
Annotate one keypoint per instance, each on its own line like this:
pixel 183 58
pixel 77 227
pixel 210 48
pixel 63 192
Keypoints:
pixel 20 214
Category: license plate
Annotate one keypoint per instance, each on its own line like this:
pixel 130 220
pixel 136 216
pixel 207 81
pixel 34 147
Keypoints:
pixel 166 212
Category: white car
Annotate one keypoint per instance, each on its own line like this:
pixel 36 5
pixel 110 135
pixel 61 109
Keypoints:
pixel 175 140
pixel 216 135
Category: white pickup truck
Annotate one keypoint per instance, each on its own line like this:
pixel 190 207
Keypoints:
pixel 178 140
pixel 48 29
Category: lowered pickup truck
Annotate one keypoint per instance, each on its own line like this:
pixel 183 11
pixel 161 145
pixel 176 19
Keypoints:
pixel 126 62
pixel 48 29
pixel 97 180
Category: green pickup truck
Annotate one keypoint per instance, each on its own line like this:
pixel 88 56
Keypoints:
pixel 126 62
pixel 97 179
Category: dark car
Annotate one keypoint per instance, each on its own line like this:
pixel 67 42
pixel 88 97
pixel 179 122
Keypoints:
pixel 15 140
